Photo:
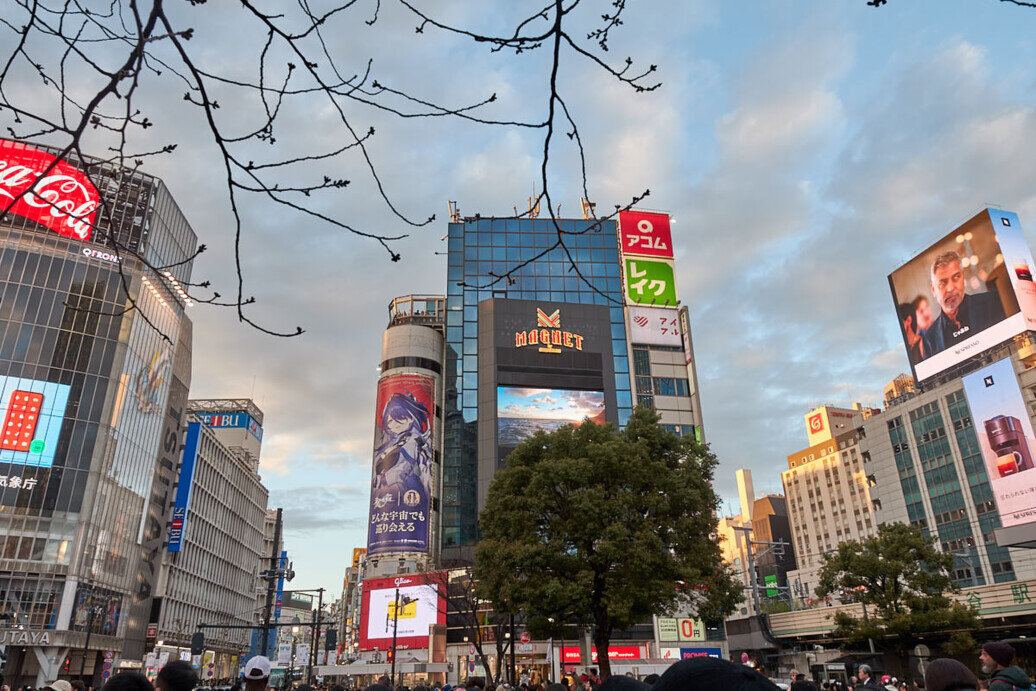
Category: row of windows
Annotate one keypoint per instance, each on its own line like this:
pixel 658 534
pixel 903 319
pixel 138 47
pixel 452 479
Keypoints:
pixel 662 386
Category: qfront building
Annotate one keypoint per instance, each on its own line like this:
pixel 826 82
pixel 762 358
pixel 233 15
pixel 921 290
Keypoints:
pixel 94 374
pixel 519 342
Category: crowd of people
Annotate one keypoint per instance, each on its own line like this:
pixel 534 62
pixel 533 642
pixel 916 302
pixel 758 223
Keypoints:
pixel 942 674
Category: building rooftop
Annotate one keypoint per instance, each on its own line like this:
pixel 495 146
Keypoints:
pixel 225 405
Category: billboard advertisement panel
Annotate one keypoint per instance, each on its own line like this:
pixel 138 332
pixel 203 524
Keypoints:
pixel 654 326
pixel 182 503
pixel 645 234
pixel 968 292
pixel 420 606
pixel 650 282
pixel 32 412
pixel 46 190
pixel 401 484
pixel 1006 439
pixel 521 412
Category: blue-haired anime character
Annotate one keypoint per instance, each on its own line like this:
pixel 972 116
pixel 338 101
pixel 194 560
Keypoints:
pixel 403 459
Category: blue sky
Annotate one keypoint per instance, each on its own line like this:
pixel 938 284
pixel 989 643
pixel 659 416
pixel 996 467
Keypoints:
pixel 804 149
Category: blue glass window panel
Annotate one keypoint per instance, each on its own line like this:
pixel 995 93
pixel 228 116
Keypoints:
pixel 471 346
pixel 613 284
pixel 622 364
pixel 622 382
pixel 572 284
pixel 619 347
pixel 485 252
pixel 499 253
pixel 471 382
pixel 453 302
pixel 453 318
pixel 511 225
pixel 624 399
pixel 470 268
pixel 470 366
pixel 470 298
pixel 453 334
pixel 485 294
pixel 601 300
pixel 542 283
pixel 611 253
pixel 499 238
pixel 616 315
pixel 471 313
pixel 598 255
pixel 483 224
pixel 513 253
pixel 618 331
pixel 454 274
pixel 455 243
pixel 581 255
pixel 484 267
pixel 624 417
pixel 470 414
pixel 470 236
pixel 611 270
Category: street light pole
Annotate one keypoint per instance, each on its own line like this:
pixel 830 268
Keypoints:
pixel 513 677
pixel 395 626
pixel 89 630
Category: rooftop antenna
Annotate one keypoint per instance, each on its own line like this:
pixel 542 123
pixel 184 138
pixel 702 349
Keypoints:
pixel 454 212
pixel 534 210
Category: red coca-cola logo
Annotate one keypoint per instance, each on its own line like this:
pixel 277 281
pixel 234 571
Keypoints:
pixel 63 200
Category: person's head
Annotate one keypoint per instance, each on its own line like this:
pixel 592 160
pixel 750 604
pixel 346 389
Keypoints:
pixel 864 671
pixel 995 656
pixel 948 281
pixel 944 674
pixel 257 673
pixel 922 312
pixel 383 680
pixel 403 413
pixel 128 681
pixel 59 685
pixel 177 675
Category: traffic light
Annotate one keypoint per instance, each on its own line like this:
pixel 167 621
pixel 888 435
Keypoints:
pixel 389 655
pixel 197 643
pixel 331 639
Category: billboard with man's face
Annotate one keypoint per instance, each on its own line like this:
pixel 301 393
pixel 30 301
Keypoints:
pixel 968 292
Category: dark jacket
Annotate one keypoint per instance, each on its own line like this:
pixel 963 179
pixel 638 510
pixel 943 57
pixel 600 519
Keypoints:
pixel 804 685
pixel 870 685
pixel 976 312
pixel 1009 679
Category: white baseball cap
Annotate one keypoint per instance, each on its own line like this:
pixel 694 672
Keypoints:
pixel 59 685
pixel 258 668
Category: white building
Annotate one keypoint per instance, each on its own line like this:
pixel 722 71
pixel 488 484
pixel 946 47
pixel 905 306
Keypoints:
pixel 216 538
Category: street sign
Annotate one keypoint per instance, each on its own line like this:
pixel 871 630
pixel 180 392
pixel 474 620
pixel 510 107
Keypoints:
pixel 744 658
pixel 152 630
pixel 526 637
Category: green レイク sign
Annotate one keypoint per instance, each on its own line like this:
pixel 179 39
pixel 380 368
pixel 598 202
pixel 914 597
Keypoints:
pixel 650 282
pixel 771 586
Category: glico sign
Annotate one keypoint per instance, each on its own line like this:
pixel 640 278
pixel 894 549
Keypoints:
pixel 63 199
pixel 549 336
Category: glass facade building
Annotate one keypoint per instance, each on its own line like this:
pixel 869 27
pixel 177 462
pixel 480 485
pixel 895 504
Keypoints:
pixel 98 341
pixel 480 250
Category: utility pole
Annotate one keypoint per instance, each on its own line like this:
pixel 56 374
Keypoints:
pixel 513 676
pixel 395 625
pixel 271 580
pixel 317 616
pixel 778 550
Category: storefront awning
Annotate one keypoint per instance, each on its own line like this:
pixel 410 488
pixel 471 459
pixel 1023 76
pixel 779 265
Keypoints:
pixel 379 668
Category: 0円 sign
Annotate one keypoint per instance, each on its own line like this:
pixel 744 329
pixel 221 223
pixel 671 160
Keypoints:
pixel 645 234
pixel 46 190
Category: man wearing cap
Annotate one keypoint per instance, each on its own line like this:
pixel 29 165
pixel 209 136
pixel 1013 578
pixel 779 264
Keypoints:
pixel 59 685
pixel 257 673
pixel 996 657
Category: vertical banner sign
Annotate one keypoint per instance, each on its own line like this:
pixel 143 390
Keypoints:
pixel 183 487
pixel 1006 438
pixel 48 191
pixel 645 234
pixel 401 483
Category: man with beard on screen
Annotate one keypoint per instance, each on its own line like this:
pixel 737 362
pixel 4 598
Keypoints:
pixel 962 315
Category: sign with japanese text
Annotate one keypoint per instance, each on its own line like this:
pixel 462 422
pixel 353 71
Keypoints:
pixel 615 652
pixel 401 481
pixel 681 629
pixel 654 326
pixel 645 234
pixel 650 282
pixel 46 190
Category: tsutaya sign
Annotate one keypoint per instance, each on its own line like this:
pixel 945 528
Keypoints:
pixel 24 637
pixel 549 335
pixel 46 190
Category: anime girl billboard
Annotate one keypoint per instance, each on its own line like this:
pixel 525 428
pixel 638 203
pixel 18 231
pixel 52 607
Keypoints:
pixel 401 484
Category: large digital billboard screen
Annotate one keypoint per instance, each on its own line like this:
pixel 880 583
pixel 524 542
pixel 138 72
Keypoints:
pixel 521 412
pixel 970 291
pixel 1006 439
pixel 32 412
pixel 401 481
pixel 420 605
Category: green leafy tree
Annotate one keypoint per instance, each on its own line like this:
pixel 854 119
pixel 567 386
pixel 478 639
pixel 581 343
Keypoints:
pixel 903 582
pixel 598 527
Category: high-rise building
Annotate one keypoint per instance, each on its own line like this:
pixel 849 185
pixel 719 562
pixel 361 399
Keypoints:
pixel 828 494
pixel 94 371
pixel 216 537
pixel 902 385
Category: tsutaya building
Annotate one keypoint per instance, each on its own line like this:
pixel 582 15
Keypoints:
pixel 466 376
pixel 88 389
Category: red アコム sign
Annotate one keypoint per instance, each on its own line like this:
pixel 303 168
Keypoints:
pixel 63 199
pixel 645 234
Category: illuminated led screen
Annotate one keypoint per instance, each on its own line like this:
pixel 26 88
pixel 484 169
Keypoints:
pixel 521 412
pixel 32 412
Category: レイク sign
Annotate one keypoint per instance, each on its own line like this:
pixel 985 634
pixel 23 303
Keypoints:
pixel 63 200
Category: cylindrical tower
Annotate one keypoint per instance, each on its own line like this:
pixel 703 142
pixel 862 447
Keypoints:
pixel 405 477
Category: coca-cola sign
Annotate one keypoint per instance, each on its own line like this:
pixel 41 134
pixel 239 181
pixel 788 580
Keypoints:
pixel 63 199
